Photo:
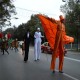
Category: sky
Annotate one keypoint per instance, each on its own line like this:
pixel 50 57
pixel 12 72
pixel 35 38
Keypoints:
pixel 25 8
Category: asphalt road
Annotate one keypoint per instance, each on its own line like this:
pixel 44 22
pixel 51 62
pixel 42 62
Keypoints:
pixel 12 67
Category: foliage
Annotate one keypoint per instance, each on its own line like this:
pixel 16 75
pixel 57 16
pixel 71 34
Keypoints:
pixel 71 9
pixel 20 31
pixel 6 9
pixel 11 31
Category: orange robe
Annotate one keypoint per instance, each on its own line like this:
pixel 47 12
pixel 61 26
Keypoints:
pixel 58 47
pixel 56 36
pixel 50 29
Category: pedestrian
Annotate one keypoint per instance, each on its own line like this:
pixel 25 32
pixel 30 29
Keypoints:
pixel 23 48
pixel 12 44
pixel 26 43
pixel 4 46
pixel 37 44
pixel 16 44
pixel 59 45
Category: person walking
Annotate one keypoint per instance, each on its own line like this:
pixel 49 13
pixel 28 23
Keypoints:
pixel 23 48
pixel 26 43
pixel 37 44
pixel 16 45
pixel 4 46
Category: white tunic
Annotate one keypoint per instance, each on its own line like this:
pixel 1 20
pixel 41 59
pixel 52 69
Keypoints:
pixel 37 45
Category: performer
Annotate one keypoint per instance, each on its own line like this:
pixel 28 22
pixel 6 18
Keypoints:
pixel 16 45
pixel 59 45
pixel 4 46
pixel 26 42
pixel 37 44
pixel 56 36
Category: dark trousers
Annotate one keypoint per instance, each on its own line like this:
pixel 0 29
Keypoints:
pixel 5 50
pixel 26 52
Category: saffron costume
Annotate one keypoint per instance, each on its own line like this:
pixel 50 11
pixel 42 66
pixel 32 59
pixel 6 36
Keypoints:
pixel 59 46
pixel 56 36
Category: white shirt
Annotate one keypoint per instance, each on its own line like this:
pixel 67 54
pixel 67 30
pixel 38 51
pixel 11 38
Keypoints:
pixel 37 35
pixel 28 35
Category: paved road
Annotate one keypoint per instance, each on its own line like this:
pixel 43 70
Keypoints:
pixel 12 67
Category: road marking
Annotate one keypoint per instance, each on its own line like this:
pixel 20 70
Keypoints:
pixel 72 59
pixel 69 76
pixel 65 73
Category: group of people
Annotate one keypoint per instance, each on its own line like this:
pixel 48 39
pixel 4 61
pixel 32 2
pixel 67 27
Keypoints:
pixel 14 44
pixel 37 45
pixel 58 46
pixel 5 44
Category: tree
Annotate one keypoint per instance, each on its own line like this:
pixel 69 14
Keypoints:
pixel 19 32
pixel 6 10
pixel 9 30
pixel 32 24
pixel 71 9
